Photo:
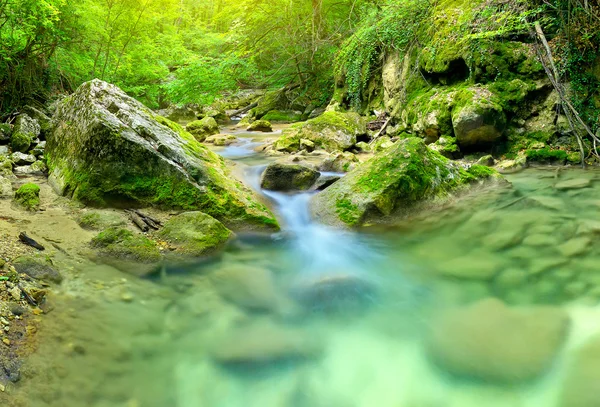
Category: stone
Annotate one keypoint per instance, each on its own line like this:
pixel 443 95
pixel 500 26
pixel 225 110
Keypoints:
pixel 340 162
pixel 334 291
pixel 248 287
pixel 4 150
pixel 260 125
pixel 491 342
pixel 479 267
pixel 393 182
pixel 588 227
pixel 5 132
pixel 22 159
pixel 195 234
pixel 288 177
pixel 124 154
pixel 381 144
pixel 573 184
pixel 332 131
pixel 307 145
pixel 37 267
pixel 512 166
pixel 95 220
pixel 25 131
pixel 6 191
pixel 479 122
pixel 580 386
pixel 540 265
pixel 486 160
pixel 549 202
pixel 510 278
pixel 503 239
pixel 39 149
pixel 325 181
pixel 37 168
pixel 575 247
pixel 261 344
pixel 363 147
pixel 201 129
pixel 28 197
pixel 283 116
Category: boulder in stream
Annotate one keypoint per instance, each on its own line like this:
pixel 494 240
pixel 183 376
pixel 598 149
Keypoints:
pixel 392 184
pixel 201 129
pixel 37 267
pixel 260 125
pixel 288 177
pixel 107 149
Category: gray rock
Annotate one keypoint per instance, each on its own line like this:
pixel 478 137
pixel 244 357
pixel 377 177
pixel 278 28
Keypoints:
pixel 19 158
pixel 37 168
pixel 288 177
pixel 39 149
pixel 37 267
pixel 486 160
pixel 6 191
pixel 26 130
pixel 340 162
pixel 248 287
pixel 325 181
pixel 4 150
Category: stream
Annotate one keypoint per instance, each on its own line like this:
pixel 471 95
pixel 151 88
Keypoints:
pixel 315 316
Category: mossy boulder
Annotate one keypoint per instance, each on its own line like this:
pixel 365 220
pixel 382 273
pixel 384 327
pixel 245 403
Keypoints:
pixel 38 267
pixel 195 234
pixel 5 132
pixel 107 149
pixel 201 129
pixel 340 162
pixel 272 100
pixel 96 220
pixel 260 125
pixel 283 116
pixel 221 140
pixel 131 252
pixel 26 130
pixel 392 183
pixel 332 131
pixel 478 120
pixel 288 177
pixel 28 197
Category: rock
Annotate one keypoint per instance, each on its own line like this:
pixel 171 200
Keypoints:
pixel 381 144
pixel 248 287
pixel 288 177
pixel 502 240
pixel 392 183
pixel 510 278
pixel 540 265
pixel 573 184
pixel 28 197
pixel 124 154
pixel 540 240
pixel 201 129
pixel 588 227
pixel 22 159
pixel 473 267
pixel 479 122
pixel 283 116
pixel 340 162
pixel 93 220
pixel 307 145
pixel 5 132
pixel 130 252
pixel 260 125
pixel 580 387
pixel 41 118
pixel 334 291
pixel 486 160
pixel 4 150
pixel 37 168
pixel 6 191
pixel 38 150
pixel 195 234
pixel 512 166
pixel 261 344
pixel 489 341
pixel 325 181
pixel 549 202
pixel 333 131
pixel 575 247
pixel 37 267
pixel 363 147
pixel 221 140
pixel 25 131
pixel 447 147
pixel 6 167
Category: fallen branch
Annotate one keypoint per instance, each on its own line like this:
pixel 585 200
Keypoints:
pixel 243 110
pixel 30 242
pixel 142 221
pixel 383 128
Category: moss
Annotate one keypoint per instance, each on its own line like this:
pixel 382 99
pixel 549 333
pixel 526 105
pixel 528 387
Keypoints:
pixel 201 129
pixel 272 100
pixel 125 245
pixel 98 221
pixel 282 116
pixel 546 155
pixel 348 212
pixel 482 172
pixel 28 196
pixel 195 233
pixel 574 157
pixel 20 142
pixel 260 125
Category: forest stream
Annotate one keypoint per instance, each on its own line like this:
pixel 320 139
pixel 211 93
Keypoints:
pixel 315 316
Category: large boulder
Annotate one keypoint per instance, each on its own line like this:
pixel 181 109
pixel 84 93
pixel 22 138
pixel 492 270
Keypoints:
pixel 332 131
pixel 26 130
pixel 109 149
pixel 478 121
pixel 288 177
pixel 492 342
pixel 201 129
pixel 195 234
pixel 391 183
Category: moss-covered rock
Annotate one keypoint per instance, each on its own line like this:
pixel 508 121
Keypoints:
pixel 107 149
pixel 28 197
pixel 478 120
pixel 221 140
pixel 5 132
pixel 332 131
pixel 260 125
pixel 122 244
pixel 283 116
pixel 272 100
pixel 340 162
pixel 25 131
pixel 201 129
pixel 39 267
pixel 96 220
pixel 195 234
pixel 6 191
pixel 391 183
pixel 288 177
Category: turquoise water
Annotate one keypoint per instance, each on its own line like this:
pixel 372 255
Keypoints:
pixel 492 301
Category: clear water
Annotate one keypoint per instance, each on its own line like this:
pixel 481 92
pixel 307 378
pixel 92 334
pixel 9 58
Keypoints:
pixel 345 320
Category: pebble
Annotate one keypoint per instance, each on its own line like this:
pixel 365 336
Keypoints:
pixel 15 292
pixel 127 297
pixel 6 341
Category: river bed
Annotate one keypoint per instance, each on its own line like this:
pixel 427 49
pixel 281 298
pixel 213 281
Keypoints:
pixel 316 317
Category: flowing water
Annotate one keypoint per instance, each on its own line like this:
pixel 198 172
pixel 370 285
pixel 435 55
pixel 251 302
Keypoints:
pixel 315 316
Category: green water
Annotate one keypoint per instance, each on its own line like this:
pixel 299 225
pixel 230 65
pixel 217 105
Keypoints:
pixel 350 325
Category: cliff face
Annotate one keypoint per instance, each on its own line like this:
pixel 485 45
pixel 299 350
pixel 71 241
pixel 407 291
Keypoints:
pixel 464 75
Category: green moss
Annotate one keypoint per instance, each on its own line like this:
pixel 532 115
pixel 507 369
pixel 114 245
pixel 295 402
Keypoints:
pixel 125 245
pixel 28 196
pixel 282 116
pixel 97 221
pixel 348 212
pixel 272 100
pixel 195 233
pixel 546 155
pixel 574 157
pixel 482 172
pixel 20 142
pixel 201 129
pixel 260 125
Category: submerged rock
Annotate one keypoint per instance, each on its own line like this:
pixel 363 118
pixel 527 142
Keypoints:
pixel 109 149
pixel 195 234
pixel 492 342
pixel 201 129
pixel 288 177
pixel 578 183
pixel 37 267
pixel 248 287
pixel 580 387
pixel 333 131
pixel 334 291
pixel 391 183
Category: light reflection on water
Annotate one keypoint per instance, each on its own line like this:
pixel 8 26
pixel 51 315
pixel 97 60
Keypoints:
pixel 349 316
